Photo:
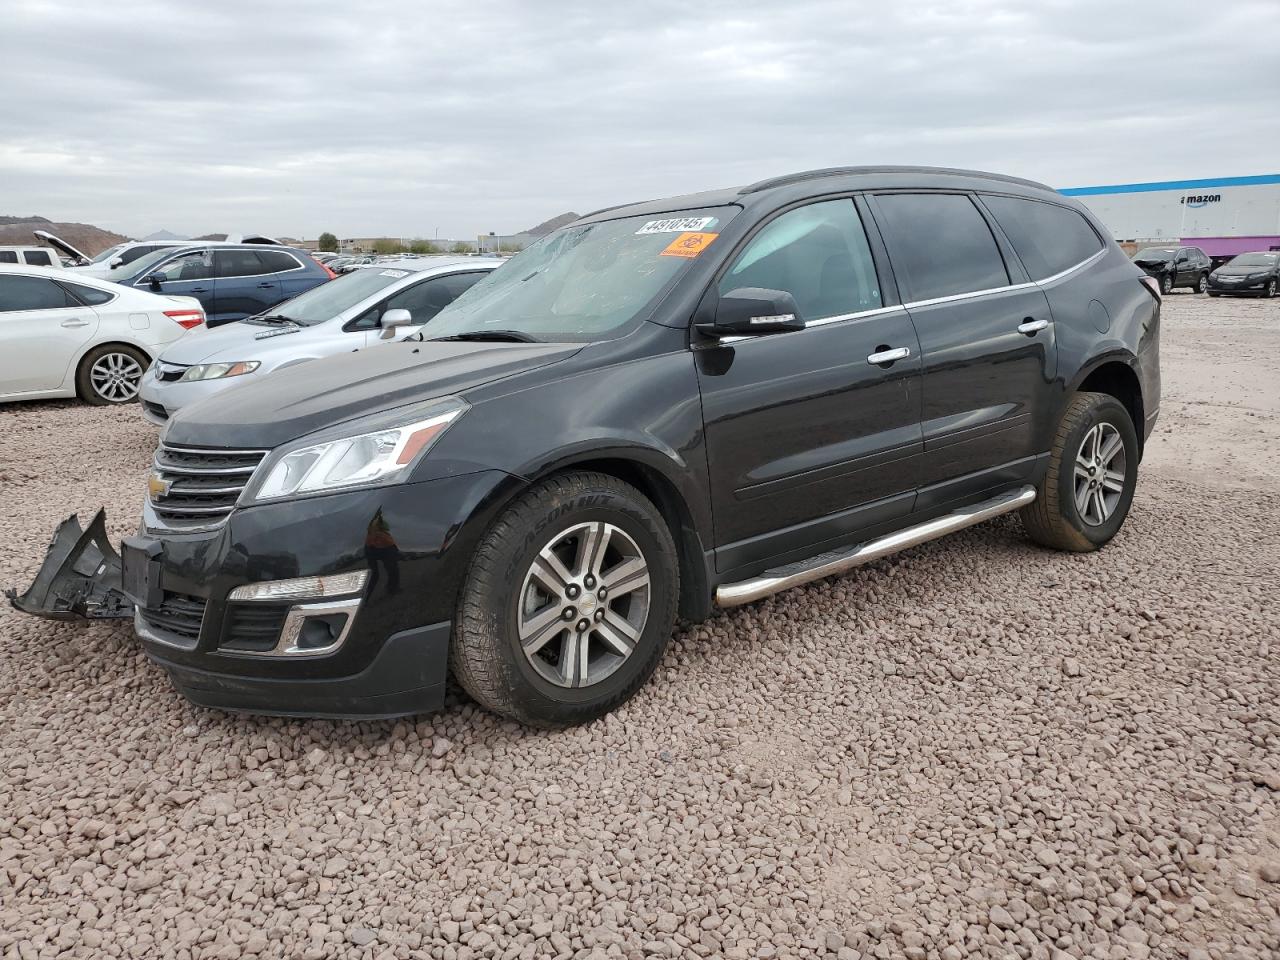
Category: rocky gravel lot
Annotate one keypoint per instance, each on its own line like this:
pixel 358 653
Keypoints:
pixel 977 748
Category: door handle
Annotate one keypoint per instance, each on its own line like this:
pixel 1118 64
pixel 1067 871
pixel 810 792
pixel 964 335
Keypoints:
pixel 1031 327
pixel 199 290
pixel 888 355
pixel 265 286
pixel 75 322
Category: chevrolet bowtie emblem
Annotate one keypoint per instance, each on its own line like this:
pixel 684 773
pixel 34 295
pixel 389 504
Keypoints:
pixel 158 486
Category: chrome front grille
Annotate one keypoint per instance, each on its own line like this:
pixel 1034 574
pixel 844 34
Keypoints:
pixel 196 488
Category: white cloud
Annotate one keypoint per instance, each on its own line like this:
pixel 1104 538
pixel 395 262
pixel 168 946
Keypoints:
pixel 386 117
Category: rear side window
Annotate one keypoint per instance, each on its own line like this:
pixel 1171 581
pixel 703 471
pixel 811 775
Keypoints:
pixel 818 254
pixel 941 243
pixel 275 261
pixel 1047 238
pixel 32 293
pixel 8 256
pixel 39 258
pixel 88 295
pixel 238 263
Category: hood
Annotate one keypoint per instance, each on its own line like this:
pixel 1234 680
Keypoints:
pixel 1229 271
pixel 296 401
pixel 1154 264
pixel 61 245
pixel 235 341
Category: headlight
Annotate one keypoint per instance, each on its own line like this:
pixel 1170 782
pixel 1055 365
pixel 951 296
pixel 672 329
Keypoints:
pixel 364 459
pixel 216 371
pixel 1258 276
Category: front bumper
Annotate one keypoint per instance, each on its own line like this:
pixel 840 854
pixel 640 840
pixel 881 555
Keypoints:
pixel 1252 287
pixel 415 540
pixel 161 399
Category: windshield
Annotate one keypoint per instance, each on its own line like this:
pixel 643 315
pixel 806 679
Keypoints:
pixel 330 299
pixel 1254 260
pixel 584 283
pixel 140 267
pixel 1156 253
pixel 108 253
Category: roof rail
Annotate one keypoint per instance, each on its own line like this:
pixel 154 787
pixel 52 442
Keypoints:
pixel 807 175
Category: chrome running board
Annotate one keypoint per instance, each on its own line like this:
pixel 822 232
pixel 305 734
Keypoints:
pixel 838 561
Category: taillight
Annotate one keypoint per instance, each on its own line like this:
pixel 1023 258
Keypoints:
pixel 186 319
pixel 1152 285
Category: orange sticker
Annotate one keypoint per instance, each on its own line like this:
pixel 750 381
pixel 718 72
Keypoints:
pixel 689 244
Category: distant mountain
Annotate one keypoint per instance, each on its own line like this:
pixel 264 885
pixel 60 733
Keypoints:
pixel 83 236
pixel 555 223
pixel 163 235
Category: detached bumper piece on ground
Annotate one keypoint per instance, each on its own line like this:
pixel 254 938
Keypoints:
pixel 80 578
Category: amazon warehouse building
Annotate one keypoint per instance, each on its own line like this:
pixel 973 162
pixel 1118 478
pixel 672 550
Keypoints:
pixel 1223 216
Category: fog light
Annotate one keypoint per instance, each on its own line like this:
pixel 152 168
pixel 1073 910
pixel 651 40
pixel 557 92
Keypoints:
pixel 302 588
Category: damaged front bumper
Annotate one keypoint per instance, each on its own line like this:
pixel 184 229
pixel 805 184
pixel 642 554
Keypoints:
pixel 81 577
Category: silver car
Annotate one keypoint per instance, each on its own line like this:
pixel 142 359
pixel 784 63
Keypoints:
pixel 359 310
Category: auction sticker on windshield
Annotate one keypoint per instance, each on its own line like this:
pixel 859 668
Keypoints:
pixel 689 244
pixel 678 225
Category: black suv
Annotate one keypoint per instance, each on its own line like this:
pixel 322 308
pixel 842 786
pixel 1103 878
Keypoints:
pixel 1176 267
pixel 659 409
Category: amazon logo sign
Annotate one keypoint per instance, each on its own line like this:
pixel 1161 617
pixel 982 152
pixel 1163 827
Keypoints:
pixel 1200 199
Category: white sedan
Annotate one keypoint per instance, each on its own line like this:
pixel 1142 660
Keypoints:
pixel 65 335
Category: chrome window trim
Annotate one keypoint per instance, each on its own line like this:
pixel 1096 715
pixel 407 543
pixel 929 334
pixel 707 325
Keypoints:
pixel 214 275
pixel 823 321
pixel 1089 261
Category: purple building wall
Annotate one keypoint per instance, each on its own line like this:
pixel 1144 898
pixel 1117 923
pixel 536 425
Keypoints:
pixel 1230 246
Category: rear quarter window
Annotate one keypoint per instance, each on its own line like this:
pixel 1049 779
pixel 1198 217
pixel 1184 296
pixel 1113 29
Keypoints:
pixel 276 261
pixel 1046 237
pixel 38 258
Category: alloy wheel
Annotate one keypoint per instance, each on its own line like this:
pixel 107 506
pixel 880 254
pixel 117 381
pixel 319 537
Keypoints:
pixel 1271 289
pixel 1203 286
pixel 1166 284
pixel 583 604
pixel 115 377
pixel 1100 474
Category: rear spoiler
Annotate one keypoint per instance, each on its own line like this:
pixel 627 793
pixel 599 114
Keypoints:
pixel 80 578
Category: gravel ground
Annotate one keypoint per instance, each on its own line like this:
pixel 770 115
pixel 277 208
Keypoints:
pixel 977 748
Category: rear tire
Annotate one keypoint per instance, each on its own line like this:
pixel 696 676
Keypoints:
pixel 110 375
pixel 1093 468
pixel 569 602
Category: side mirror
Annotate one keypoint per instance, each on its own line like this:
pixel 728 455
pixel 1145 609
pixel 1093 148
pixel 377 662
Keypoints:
pixel 155 279
pixel 750 311
pixel 393 321
pixel 115 262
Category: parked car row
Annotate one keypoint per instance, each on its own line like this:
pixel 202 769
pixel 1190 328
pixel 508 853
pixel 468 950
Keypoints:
pixel 661 408
pixel 1254 274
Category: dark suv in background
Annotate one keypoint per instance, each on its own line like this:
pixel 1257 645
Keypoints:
pixel 1176 267
pixel 669 406
pixel 231 281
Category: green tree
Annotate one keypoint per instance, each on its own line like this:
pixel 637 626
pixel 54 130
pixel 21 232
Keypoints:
pixel 387 245
pixel 423 247
pixel 462 247
pixel 328 243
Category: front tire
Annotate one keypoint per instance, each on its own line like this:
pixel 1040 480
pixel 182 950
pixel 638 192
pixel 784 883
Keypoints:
pixel 1166 284
pixel 1271 290
pixel 569 602
pixel 1202 286
pixel 1087 491
pixel 110 375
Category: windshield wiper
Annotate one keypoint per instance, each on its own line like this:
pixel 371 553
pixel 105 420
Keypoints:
pixel 275 318
pixel 497 336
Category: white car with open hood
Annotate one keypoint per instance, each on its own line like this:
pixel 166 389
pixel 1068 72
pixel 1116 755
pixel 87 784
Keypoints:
pixel 66 335
pixel 359 310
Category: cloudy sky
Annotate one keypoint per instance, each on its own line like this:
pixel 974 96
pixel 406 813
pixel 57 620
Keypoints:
pixel 422 119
